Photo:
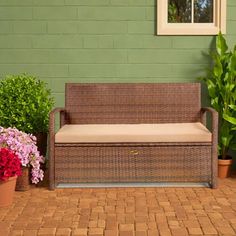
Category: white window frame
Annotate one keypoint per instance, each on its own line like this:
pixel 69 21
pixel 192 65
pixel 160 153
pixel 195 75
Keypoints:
pixel 165 28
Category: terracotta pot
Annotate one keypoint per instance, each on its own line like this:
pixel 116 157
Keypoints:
pixel 224 167
pixel 23 181
pixel 7 189
pixel 42 143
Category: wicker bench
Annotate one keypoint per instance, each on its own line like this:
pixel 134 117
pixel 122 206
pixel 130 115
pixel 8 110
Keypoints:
pixel 133 133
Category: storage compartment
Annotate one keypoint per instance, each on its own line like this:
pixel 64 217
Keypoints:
pixel 132 164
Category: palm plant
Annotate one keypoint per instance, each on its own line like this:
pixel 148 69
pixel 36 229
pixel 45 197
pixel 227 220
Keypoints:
pixel 221 84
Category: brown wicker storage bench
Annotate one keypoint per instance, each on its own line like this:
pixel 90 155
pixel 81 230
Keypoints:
pixel 132 134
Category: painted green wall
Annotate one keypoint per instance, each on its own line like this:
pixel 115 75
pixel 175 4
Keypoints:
pixel 97 41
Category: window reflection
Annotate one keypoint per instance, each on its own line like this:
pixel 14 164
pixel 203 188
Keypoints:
pixel 179 11
pixel 203 11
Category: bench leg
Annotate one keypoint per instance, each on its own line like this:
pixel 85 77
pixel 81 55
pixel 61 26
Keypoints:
pixel 51 167
pixel 214 169
pixel 214 184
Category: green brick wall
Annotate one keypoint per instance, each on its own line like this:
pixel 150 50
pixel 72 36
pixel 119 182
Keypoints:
pixel 98 41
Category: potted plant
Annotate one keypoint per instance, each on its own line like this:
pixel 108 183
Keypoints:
pixel 9 170
pixel 221 84
pixel 25 103
pixel 24 146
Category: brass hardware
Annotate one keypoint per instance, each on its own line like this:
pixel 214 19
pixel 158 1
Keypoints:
pixel 134 152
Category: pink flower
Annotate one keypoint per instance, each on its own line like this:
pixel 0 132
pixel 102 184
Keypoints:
pixel 24 146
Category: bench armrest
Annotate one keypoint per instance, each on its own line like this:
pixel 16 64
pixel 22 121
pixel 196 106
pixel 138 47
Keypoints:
pixel 214 154
pixel 52 115
pixel 214 119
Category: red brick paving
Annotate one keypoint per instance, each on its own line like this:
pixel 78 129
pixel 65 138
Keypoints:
pixel 122 212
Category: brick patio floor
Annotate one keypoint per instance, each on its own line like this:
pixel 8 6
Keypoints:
pixel 123 212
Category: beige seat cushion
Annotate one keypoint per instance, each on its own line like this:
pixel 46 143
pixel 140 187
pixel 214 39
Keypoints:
pixel 118 133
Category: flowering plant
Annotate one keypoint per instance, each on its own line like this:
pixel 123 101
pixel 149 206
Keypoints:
pixel 24 146
pixel 9 164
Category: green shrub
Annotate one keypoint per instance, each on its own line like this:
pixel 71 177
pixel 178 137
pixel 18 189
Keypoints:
pixel 25 103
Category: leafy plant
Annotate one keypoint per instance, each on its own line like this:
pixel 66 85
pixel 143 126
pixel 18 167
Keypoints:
pixel 25 103
pixel 221 84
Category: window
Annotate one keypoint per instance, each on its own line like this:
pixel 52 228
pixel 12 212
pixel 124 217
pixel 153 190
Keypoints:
pixel 191 17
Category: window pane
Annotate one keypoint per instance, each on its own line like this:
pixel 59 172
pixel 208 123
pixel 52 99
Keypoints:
pixel 203 11
pixel 179 11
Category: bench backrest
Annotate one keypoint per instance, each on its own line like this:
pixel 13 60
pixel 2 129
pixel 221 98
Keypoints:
pixel 132 103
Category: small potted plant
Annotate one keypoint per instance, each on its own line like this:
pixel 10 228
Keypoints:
pixel 10 169
pixel 25 103
pixel 221 84
pixel 24 146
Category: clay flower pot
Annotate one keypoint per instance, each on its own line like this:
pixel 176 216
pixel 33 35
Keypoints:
pixel 23 181
pixel 7 189
pixel 224 167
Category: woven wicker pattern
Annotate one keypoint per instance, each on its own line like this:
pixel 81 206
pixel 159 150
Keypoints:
pixel 132 103
pixel 132 162
pixel 129 164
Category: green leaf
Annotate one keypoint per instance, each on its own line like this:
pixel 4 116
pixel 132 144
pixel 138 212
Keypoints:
pixel 211 88
pixel 217 69
pixel 233 107
pixel 215 103
pixel 232 64
pixel 233 146
pixel 221 46
pixel 226 140
pixel 230 119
